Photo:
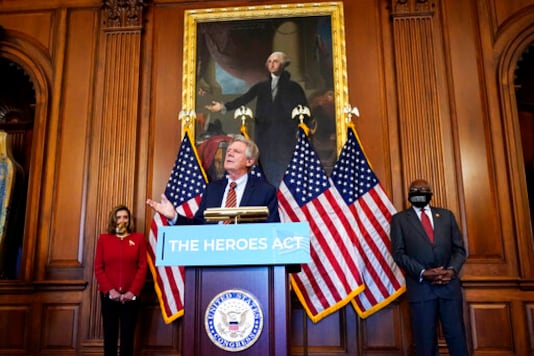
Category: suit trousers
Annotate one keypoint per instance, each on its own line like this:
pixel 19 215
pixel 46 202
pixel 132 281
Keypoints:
pixel 425 316
pixel 118 316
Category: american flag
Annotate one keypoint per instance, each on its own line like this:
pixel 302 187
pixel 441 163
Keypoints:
pixel 184 189
pixel 257 171
pixel 332 278
pixel 365 199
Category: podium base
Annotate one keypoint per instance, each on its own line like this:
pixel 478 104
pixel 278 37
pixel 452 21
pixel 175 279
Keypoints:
pixel 215 324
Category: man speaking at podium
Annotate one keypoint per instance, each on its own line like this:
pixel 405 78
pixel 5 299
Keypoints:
pixel 238 188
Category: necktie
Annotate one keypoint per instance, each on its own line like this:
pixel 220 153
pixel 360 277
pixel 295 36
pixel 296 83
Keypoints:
pixel 230 199
pixel 427 225
pixel 274 87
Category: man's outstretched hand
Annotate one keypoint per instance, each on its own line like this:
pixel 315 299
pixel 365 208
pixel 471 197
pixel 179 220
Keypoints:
pixel 164 207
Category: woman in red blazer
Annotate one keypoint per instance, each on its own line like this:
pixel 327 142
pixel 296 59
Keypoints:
pixel 120 270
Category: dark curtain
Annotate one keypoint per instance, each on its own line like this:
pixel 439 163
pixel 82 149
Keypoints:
pixel 239 47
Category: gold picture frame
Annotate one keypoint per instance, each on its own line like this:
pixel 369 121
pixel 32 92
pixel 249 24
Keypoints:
pixel 255 19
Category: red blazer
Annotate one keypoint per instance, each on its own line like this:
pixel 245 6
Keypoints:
pixel 121 264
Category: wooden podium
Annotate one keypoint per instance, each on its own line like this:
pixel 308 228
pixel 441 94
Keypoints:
pixel 268 284
pixel 236 285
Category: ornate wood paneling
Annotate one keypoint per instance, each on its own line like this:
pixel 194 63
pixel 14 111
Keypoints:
pixel 114 148
pixel 15 323
pixel 154 335
pixel 529 312
pixel 433 78
pixel 382 332
pixel 59 332
pixel 343 333
pixel 65 260
pixel 420 117
pixel 492 327
pixel 501 56
pixel 335 334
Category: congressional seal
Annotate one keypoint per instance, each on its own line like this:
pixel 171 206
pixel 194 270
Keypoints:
pixel 234 320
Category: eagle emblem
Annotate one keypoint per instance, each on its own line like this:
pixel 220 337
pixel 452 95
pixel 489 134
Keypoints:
pixel 234 320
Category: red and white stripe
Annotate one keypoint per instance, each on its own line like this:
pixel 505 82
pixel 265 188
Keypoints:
pixel 169 280
pixel 384 280
pixel 332 278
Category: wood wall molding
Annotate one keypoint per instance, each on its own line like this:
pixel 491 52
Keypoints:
pixel 122 14
pixel 508 57
pixel 420 122
pixel 404 8
pixel 434 79
pixel 116 122
pixel 30 55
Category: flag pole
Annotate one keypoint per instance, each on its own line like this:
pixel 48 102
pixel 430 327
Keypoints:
pixel 243 113
pixel 349 111
pixel 187 117
pixel 300 112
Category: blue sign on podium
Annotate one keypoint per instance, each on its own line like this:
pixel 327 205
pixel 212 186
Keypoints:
pixel 233 244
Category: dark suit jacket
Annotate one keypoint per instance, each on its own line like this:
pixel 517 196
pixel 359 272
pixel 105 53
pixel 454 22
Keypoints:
pixel 413 252
pixel 257 193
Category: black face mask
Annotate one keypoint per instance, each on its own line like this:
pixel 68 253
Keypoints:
pixel 419 199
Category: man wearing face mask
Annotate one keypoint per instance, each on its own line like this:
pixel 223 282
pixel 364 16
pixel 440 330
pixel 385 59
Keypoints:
pixel 427 244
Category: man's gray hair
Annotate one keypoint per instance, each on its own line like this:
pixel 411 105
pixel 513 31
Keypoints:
pixel 284 58
pixel 252 151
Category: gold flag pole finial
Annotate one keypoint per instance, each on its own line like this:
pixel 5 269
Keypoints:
pixel 187 117
pixel 300 111
pixel 349 110
pixel 243 113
